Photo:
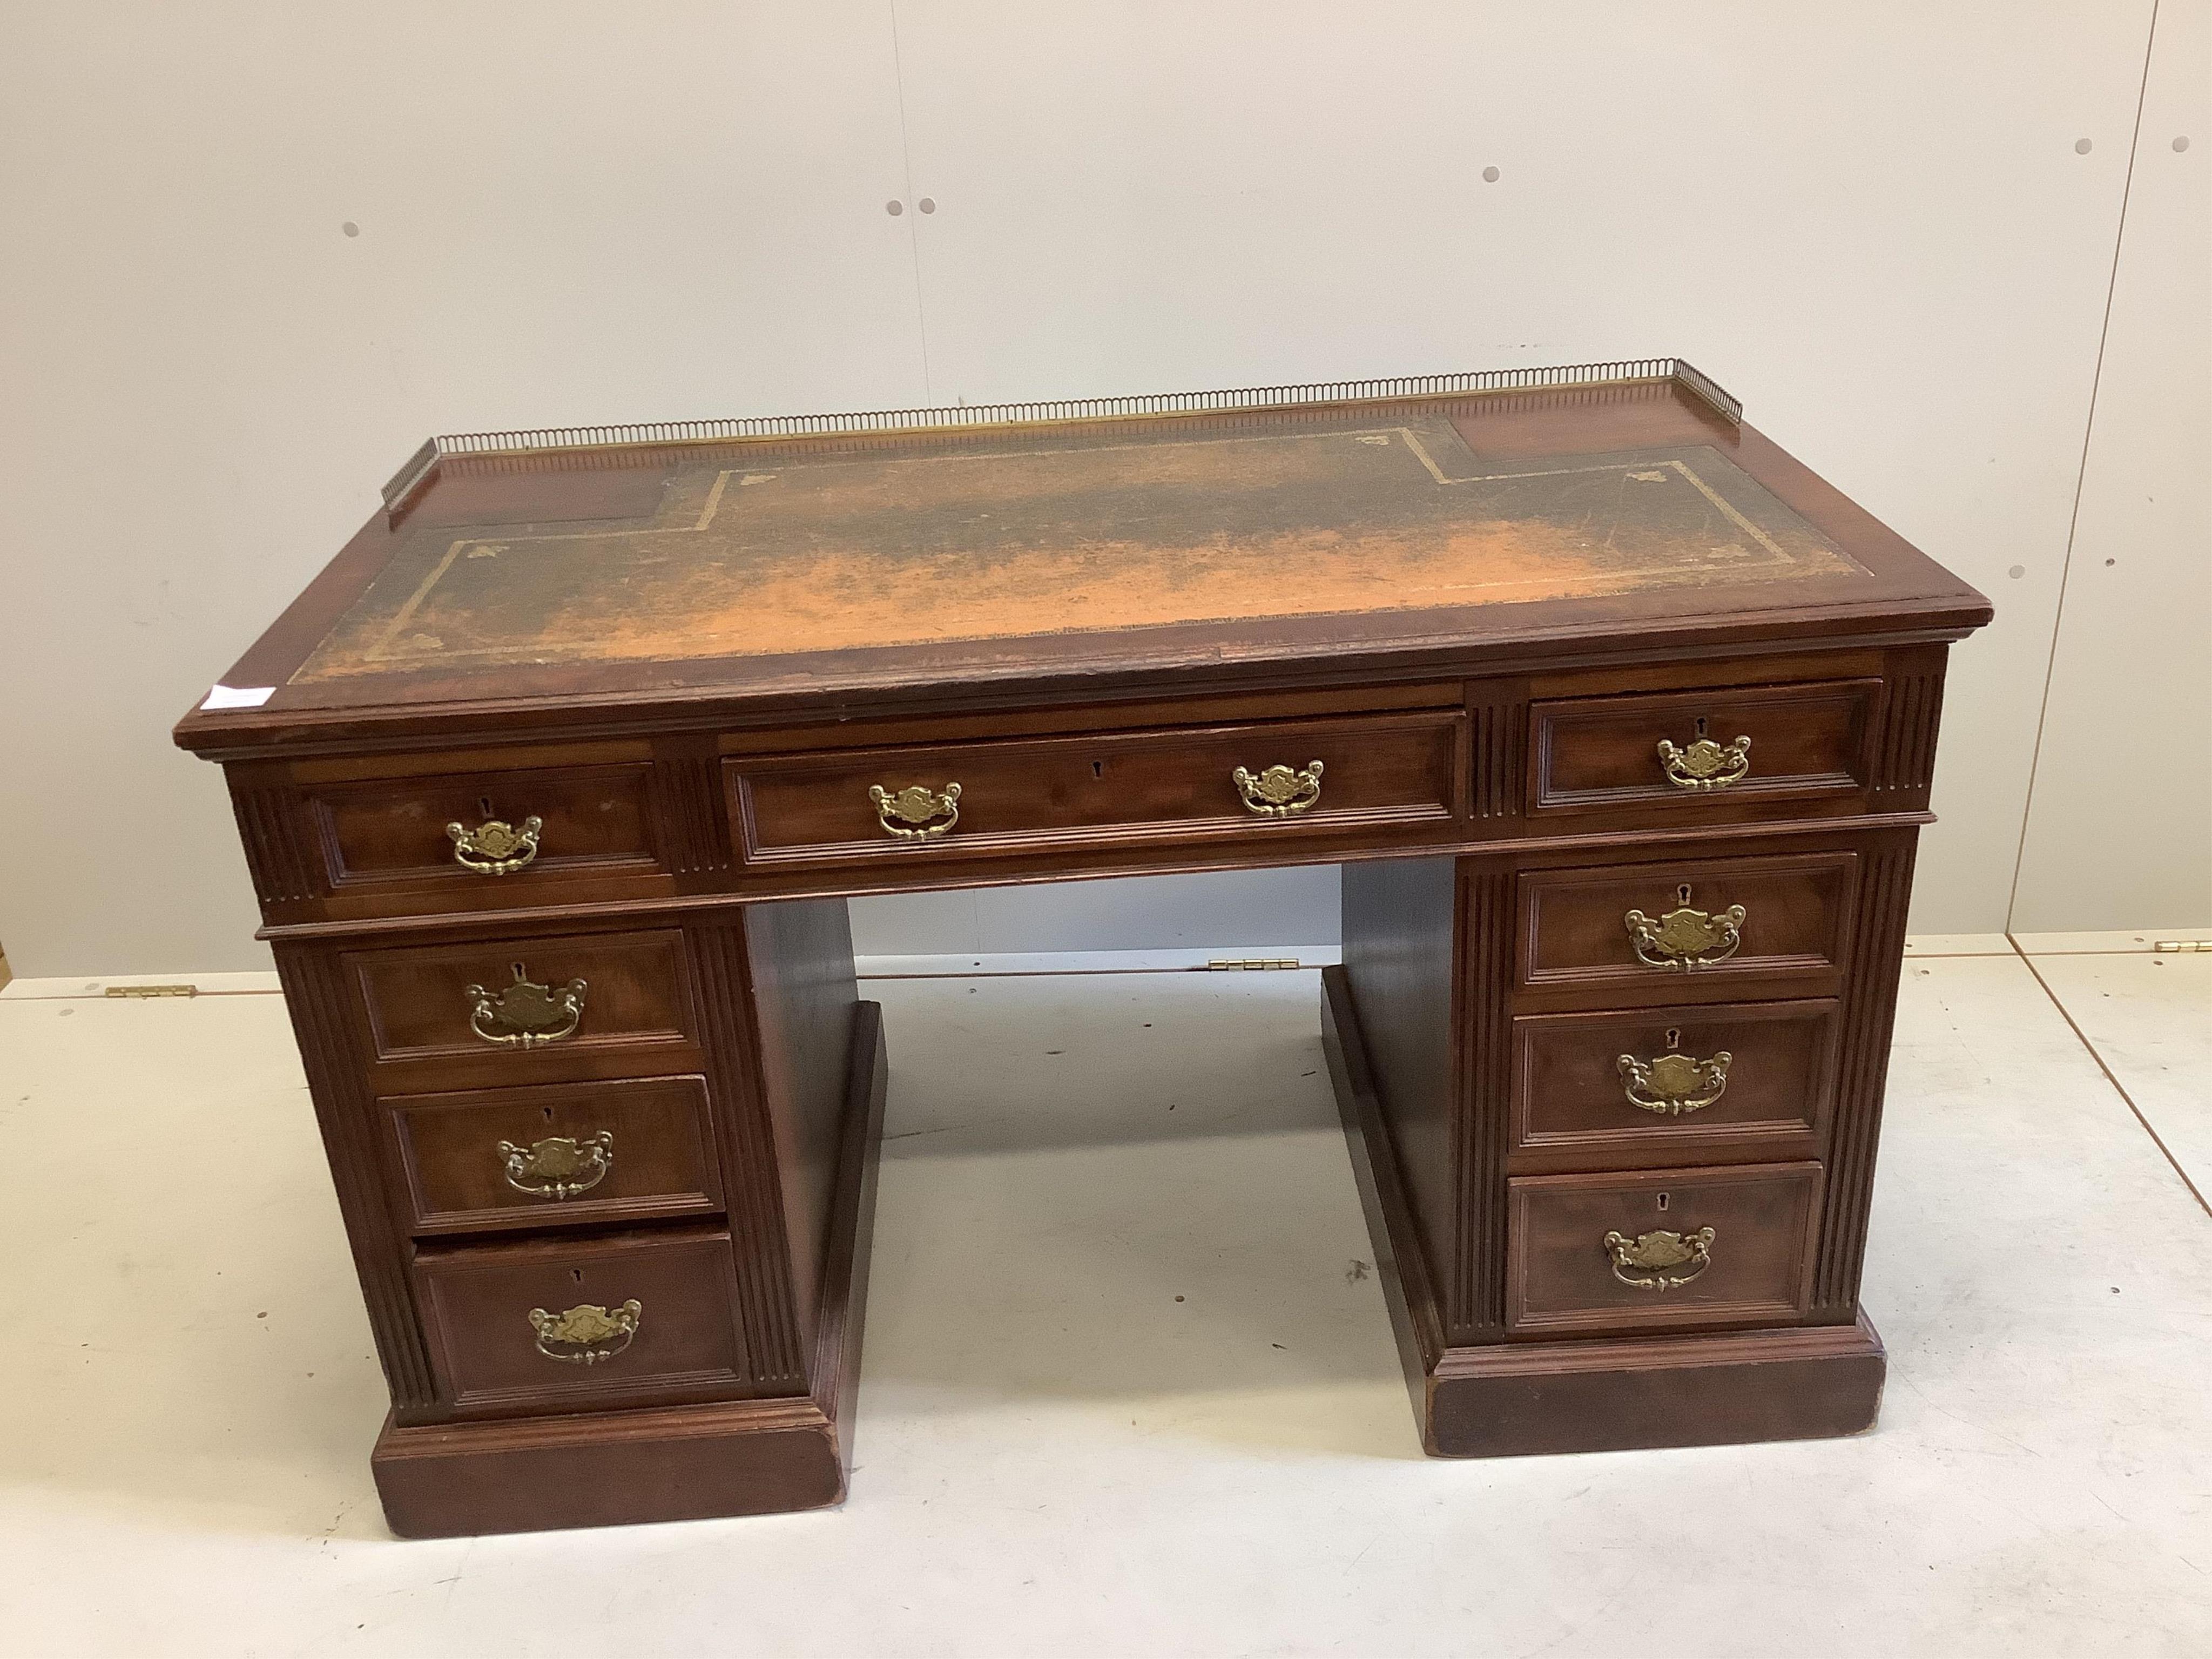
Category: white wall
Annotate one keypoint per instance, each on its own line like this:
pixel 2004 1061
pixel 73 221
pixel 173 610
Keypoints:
pixel 1873 226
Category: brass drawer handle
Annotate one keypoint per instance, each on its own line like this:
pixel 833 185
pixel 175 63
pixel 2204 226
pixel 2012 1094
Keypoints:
pixel 496 847
pixel 526 1013
pixel 586 1335
pixel 1647 1262
pixel 1685 939
pixel 915 808
pixel 1705 764
pixel 1674 1085
pixel 560 1166
pixel 1280 792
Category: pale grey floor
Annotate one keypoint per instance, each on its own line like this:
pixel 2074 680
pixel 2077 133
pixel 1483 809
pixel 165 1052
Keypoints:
pixel 1059 1456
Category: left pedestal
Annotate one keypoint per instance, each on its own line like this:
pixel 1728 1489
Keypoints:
pixel 675 1463
pixel 612 1220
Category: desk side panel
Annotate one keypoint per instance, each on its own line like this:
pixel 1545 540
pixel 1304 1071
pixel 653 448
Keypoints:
pixel 1400 945
pixel 804 994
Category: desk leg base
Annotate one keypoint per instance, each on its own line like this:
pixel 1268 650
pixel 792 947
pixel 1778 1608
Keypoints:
pixel 678 1462
pixel 1506 1399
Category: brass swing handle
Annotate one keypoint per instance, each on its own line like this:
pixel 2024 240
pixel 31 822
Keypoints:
pixel 560 1166
pixel 1685 939
pixel 585 1334
pixel 496 847
pixel 1279 792
pixel 526 1013
pixel 1705 764
pixel 914 813
pixel 1649 1261
pixel 1674 1085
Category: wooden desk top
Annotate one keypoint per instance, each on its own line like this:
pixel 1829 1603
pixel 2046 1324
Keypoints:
pixel 739 577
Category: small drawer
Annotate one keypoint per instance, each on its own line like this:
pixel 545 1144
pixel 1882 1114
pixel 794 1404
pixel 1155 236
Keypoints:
pixel 1673 928
pixel 1673 1084
pixel 528 1004
pixel 617 1320
pixel 1661 1247
pixel 1703 749
pixel 1289 779
pixel 516 833
pixel 560 1154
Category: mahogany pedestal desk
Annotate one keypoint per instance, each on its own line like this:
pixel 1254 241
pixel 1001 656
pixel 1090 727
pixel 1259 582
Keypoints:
pixel 553 785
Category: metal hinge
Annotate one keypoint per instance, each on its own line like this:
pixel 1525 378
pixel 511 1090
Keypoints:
pixel 2166 945
pixel 1250 964
pixel 153 990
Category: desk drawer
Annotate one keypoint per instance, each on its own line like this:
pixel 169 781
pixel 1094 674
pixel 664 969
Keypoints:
pixel 521 835
pixel 1673 1084
pixel 618 1319
pixel 526 1007
pixel 1661 1247
pixel 559 1155
pixel 1695 753
pixel 1300 779
pixel 1675 927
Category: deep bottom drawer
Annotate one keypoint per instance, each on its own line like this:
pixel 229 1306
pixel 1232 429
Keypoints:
pixel 618 1320
pixel 1661 1247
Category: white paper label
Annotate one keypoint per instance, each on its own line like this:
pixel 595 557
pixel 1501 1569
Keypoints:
pixel 233 696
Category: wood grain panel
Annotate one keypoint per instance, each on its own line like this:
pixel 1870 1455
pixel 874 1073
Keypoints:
pixel 452 1178
pixel 1809 750
pixel 1798 921
pixel 391 831
pixel 1019 796
pixel 1401 938
pixel 418 1006
pixel 1563 1277
pixel 1571 1110
pixel 477 1300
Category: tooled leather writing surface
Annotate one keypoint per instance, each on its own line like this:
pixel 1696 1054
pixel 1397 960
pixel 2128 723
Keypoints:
pixel 1039 532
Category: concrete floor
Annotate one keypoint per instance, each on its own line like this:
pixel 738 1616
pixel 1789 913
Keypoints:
pixel 1130 1387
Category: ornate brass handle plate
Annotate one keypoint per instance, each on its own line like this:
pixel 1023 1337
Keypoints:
pixel 1674 1085
pixel 526 1013
pixel 560 1166
pixel 586 1335
pixel 1279 792
pixel 914 813
pixel 496 847
pixel 1705 764
pixel 1649 1261
pixel 1685 939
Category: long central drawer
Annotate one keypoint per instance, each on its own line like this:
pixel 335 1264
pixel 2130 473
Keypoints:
pixel 1296 779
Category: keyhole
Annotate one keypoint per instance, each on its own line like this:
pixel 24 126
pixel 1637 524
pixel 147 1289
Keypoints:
pixel 1674 1041
pixel 1098 769
pixel 1701 726
pixel 549 1114
pixel 576 1274
pixel 517 967
pixel 1662 1201
pixel 484 805
pixel 1682 894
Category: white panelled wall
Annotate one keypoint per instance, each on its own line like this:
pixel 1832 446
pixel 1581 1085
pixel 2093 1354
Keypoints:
pixel 255 253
